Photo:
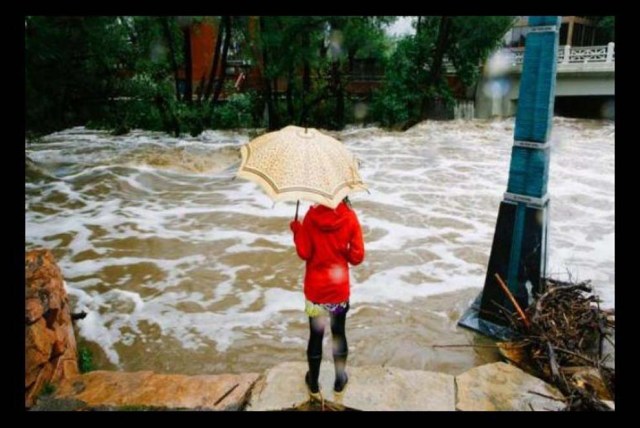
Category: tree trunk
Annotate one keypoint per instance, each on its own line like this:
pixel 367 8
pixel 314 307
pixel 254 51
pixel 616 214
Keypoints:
pixel 223 65
pixel 351 55
pixel 274 93
pixel 266 85
pixel 338 93
pixel 336 82
pixel 172 53
pixel 306 107
pixel 290 108
pixel 435 73
pixel 306 80
pixel 188 93
pixel 170 121
pixel 440 49
pixel 200 88
pixel 214 63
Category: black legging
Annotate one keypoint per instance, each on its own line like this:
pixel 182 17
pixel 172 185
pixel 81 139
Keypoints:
pixel 316 333
pixel 340 347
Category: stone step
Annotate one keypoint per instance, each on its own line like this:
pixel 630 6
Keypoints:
pixel 501 386
pixel 497 386
pixel 369 388
pixel 144 390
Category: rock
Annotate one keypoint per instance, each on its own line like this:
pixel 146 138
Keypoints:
pixel 50 346
pixel 33 310
pixel 64 367
pixel 30 377
pixel 52 404
pixel 369 388
pixel 42 377
pixel 38 344
pixel 61 334
pixel 500 386
pixel 589 378
pixel 41 271
pixel 146 389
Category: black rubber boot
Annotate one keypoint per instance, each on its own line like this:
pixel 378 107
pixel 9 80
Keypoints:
pixel 340 362
pixel 311 378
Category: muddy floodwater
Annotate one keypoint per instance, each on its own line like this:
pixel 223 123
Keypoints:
pixel 182 268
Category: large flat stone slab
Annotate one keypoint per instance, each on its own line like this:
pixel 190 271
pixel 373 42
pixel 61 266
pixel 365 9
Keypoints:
pixel 369 388
pixel 147 389
pixel 501 386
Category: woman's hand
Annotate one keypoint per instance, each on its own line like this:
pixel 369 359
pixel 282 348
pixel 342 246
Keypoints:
pixel 295 225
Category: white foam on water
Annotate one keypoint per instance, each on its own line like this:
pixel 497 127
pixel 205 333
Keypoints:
pixel 94 326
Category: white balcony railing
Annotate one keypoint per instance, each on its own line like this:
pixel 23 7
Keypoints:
pixel 572 55
pixel 567 55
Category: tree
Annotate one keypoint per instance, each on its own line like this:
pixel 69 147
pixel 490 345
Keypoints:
pixel 72 65
pixel 226 21
pixel 415 83
pixel 607 24
pixel 352 37
pixel 311 54
pixel 122 72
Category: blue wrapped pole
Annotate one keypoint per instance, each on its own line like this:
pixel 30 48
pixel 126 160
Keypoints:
pixel 518 253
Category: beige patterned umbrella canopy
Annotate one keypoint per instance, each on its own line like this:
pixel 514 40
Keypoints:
pixel 301 163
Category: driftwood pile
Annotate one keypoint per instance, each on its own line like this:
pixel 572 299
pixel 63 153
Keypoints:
pixel 560 338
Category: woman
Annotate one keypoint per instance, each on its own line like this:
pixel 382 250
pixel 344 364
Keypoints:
pixel 328 240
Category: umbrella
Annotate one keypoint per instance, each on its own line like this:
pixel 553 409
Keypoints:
pixel 301 163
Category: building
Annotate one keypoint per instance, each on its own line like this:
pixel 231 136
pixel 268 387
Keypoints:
pixel 574 31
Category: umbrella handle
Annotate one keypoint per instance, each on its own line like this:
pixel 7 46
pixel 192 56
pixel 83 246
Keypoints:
pixel 297 206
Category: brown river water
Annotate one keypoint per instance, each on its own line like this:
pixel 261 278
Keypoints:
pixel 183 268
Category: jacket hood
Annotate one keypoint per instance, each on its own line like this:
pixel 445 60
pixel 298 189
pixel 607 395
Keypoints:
pixel 327 219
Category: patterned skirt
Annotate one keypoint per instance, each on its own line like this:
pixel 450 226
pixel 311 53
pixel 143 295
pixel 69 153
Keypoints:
pixel 325 309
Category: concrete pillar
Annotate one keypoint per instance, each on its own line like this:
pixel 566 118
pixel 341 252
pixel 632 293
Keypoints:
pixel 566 54
pixel 518 252
pixel 610 50
pixel 570 31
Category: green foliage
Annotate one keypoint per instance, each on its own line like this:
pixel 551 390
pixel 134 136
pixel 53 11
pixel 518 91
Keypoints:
pixel 236 112
pixel 85 360
pixel 608 25
pixel 79 69
pixel 475 38
pixel 47 389
pixel 314 54
pixel 399 98
pixel 117 73
pixel 120 73
pixel 415 78
pixel 68 68
pixel 364 37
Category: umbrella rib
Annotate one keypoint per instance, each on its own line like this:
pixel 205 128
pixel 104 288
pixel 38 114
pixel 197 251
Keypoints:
pixel 264 177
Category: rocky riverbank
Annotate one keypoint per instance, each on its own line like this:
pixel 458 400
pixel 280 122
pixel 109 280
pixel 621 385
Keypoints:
pixel 497 386
pixel 50 345
pixel 52 380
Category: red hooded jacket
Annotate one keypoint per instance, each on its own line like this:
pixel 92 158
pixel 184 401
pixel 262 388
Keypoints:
pixel 328 240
